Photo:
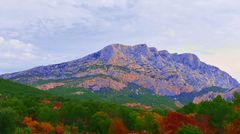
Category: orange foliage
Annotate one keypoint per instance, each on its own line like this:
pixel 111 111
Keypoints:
pixel 237 108
pixel 205 126
pixel 28 121
pixel 173 121
pixel 57 106
pixel 74 130
pixel 59 129
pixel 233 128
pixel 45 101
pixel 36 127
pixel 117 127
pixel 45 127
pixel 160 121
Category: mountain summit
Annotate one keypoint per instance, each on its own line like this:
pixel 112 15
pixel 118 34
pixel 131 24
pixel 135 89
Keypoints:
pixel 116 66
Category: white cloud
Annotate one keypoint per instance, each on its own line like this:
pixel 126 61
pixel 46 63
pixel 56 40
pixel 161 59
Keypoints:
pixel 13 49
pixel 18 55
pixel 81 26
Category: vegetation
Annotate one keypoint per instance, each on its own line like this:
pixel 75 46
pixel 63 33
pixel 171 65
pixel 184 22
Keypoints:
pixel 189 130
pixel 132 94
pixel 39 112
pixel 186 98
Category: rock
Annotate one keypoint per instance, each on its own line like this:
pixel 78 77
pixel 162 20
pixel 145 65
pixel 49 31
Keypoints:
pixel 99 83
pixel 49 86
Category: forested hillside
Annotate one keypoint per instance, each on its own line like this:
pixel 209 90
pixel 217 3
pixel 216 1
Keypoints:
pixel 26 110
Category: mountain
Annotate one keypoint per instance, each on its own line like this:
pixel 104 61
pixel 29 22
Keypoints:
pixel 116 66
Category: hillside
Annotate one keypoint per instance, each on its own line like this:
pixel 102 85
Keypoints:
pixel 132 95
pixel 13 89
pixel 135 95
pixel 116 66
pixel 208 96
pixel 21 113
pixel 186 98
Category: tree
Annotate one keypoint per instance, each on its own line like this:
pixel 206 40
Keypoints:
pixel 188 109
pixel 100 123
pixel 219 112
pixel 236 98
pixel 59 129
pixel 75 114
pixel 160 122
pixel 37 127
pixel 188 129
pixel 233 128
pixel 117 127
pixel 16 104
pixel 173 121
pixel 46 114
pixel 131 119
pixel 8 121
pixel 46 127
pixel 150 124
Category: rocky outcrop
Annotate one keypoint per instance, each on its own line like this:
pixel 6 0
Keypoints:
pixel 138 105
pixel 206 97
pixel 118 65
pixel 99 83
pixel 49 86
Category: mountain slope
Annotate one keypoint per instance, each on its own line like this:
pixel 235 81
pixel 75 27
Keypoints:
pixel 186 98
pixel 136 95
pixel 211 95
pixel 132 95
pixel 117 65
pixel 9 88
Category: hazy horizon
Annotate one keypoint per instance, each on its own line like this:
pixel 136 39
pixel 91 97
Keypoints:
pixel 42 32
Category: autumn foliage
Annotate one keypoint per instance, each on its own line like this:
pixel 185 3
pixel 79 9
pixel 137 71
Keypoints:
pixel 173 121
pixel 59 129
pixel 38 127
pixel 233 128
pixel 72 117
pixel 117 127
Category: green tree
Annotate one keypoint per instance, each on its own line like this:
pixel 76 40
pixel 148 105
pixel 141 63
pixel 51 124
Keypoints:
pixel 100 123
pixel 47 114
pixel 16 104
pixel 187 129
pixel 131 119
pixel 236 98
pixel 150 123
pixel 74 113
pixel 220 112
pixel 189 108
pixel 8 121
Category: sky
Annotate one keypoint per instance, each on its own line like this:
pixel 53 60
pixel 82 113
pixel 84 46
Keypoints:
pixel 42 32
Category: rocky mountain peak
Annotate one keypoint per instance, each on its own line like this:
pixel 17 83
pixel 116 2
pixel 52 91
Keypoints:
pixel 189 59
pixel 118 65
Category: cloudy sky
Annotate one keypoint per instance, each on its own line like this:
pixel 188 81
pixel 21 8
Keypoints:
pixel 41 32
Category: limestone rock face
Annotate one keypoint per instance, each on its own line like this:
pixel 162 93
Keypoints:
pixel 116 66
pixel 49 86
pixel 99 83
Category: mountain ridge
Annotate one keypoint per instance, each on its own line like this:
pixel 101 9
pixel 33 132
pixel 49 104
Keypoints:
pixel 117 65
